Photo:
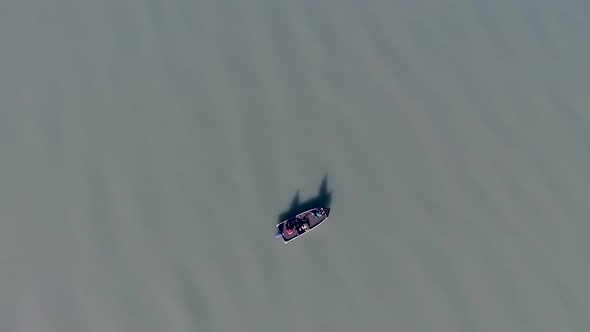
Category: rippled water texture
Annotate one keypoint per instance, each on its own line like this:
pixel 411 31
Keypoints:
pixel 149 147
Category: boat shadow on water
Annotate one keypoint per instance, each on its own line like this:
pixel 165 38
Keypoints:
pixel 323 199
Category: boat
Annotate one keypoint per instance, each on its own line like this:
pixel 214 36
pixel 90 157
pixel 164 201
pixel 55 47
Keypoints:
pixel 294 227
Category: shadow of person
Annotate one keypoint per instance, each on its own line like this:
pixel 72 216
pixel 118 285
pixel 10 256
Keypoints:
pixel 323 198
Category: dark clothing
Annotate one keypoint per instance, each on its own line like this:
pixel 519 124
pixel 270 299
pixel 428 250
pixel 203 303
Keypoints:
pixel 289 225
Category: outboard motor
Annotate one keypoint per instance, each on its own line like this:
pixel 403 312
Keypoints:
pixel 278 235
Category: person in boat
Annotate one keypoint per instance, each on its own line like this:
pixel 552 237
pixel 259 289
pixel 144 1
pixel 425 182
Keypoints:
pixel 319 213
pixel 289 227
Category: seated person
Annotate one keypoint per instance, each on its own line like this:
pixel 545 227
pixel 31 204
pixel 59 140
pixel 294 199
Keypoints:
pixel 289 227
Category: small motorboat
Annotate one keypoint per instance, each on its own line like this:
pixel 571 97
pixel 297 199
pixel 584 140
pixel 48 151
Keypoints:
pixel 302 223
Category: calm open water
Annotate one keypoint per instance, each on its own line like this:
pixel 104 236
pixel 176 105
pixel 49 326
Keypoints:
pixel 149 147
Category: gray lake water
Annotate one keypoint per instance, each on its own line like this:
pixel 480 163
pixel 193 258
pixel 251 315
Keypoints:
pixel 148 147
